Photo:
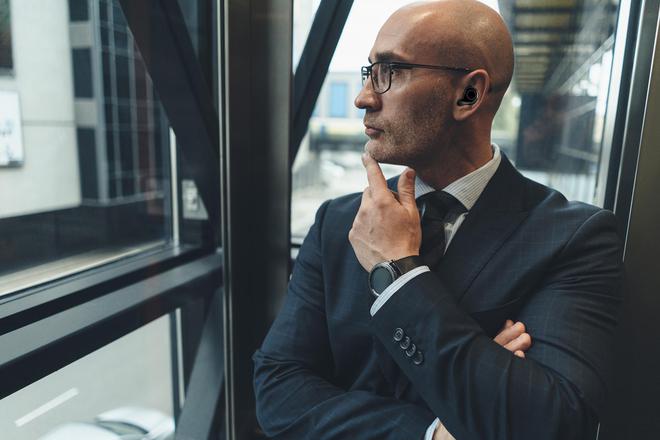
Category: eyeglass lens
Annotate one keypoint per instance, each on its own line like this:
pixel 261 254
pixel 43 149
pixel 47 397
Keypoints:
pixel 380 76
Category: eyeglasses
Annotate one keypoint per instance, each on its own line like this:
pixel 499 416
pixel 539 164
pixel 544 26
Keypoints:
pixel 381 73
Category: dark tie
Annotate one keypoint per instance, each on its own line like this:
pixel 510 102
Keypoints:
pixel 433 209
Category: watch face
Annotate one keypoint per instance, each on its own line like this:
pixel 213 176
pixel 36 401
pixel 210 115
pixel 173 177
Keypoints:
pixel 380 278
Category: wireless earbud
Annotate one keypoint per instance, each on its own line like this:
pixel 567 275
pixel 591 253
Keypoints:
pixel 470 96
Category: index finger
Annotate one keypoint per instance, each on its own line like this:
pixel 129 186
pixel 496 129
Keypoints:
pixel 374 173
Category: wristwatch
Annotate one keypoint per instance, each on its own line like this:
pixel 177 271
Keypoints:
pixel 385 273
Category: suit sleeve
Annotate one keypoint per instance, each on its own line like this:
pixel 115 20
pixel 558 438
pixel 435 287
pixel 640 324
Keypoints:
pixel 479 389
pixel 293 369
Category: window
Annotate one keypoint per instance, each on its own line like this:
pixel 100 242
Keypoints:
pixel 89 185
pixel 86 138
pixel 78 10
pixel 338 99
pixel 550 124
pixel 101 272
pixel 130 378
pixel 82 73
pixel 6 61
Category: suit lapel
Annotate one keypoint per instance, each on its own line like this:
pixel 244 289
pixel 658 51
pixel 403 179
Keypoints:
pixel 497 213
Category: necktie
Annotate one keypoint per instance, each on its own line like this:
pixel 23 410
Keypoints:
pixel 434 208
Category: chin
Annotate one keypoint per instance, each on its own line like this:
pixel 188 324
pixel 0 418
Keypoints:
pixel 384 153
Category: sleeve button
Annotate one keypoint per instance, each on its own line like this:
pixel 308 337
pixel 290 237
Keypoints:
pixel 398 334
pixel 405 343
pixel 411 351
pixel 419 358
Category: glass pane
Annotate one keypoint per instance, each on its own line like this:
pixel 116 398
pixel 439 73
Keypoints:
pixel 123 388
pixel 304 12
pixel 550 124
pixel 338 99
pixel 86 176
pixel 82 73
pixel 78 10
pixel 559 94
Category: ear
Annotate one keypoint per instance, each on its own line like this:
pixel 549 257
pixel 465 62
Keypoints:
pixel 478 80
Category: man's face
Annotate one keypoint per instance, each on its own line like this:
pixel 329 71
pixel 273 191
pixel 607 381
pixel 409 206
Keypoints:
pixel 407 124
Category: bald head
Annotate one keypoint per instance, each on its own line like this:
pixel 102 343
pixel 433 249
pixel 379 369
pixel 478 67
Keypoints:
pixel 459 33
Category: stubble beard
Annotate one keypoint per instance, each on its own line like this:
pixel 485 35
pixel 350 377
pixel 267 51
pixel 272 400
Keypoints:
pixel 414 145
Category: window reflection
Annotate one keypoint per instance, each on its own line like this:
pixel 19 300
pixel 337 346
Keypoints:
pixel 87 175
pixel 550 123
pixel 563 66
pixel 123 388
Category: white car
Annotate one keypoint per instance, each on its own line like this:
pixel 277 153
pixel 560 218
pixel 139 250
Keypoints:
pixel 125 423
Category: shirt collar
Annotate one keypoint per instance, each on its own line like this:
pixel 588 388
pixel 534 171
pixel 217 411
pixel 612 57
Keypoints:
pixel 468 188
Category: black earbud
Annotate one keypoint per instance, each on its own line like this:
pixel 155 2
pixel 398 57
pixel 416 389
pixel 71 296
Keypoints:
pixel 470 96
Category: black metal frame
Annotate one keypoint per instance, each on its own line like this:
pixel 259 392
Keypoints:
pixel 632 115
pixel 201 415
pixel 635 366
pixel 40 302
pixel 255 189
pixel 617 121
pixel 34 350
pixel 160 33
pixel 312 69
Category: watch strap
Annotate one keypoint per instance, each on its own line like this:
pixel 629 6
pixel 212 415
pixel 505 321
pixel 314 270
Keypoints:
pixel 407 264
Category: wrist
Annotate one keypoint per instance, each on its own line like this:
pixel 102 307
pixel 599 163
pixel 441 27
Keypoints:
pixel 408 263
pixel 383 274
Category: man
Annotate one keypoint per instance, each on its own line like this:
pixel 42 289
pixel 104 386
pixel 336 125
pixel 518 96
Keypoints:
pixel 381 336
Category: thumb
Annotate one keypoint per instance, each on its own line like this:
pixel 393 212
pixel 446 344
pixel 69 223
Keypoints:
pixel 406 188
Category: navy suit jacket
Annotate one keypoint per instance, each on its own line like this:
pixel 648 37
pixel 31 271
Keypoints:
pixel 328 370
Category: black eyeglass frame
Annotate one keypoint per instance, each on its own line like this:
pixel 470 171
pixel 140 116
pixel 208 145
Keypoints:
pixel 367 71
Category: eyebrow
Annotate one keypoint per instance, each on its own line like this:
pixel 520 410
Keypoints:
pixel 387 55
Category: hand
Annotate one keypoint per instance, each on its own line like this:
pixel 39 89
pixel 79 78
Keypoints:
pixel 512 337
pixel 386 226
pixel 441 433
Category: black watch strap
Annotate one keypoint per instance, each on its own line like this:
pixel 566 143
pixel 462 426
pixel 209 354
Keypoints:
pixel 407 264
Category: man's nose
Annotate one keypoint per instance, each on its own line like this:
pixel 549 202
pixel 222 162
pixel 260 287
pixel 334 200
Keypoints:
pixel 367 98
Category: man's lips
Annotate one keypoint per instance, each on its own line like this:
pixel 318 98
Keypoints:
pixel 372 131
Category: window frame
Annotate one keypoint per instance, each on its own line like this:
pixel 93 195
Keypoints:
pixel 48 329
pixel 49 326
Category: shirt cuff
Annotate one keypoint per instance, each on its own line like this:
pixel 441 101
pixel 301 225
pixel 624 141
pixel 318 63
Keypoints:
pixel 395 286
pixel 431 430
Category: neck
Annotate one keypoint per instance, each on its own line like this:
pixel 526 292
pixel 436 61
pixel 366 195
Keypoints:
pixel 453 162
